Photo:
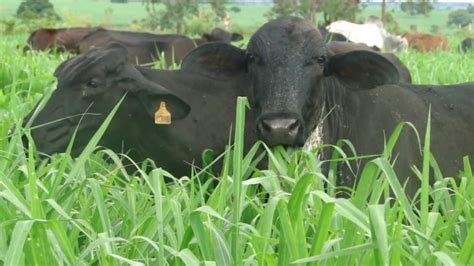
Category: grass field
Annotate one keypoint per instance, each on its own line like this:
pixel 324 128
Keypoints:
pixel 89 210
pixel 120 15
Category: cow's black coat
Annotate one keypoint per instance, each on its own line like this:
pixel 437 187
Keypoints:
pixel 292 81
pixel 142 47
pixel 466 44
pixel 296 82
pixel 91 84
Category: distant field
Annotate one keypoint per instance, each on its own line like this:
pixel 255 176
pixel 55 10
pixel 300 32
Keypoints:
pixel 250 16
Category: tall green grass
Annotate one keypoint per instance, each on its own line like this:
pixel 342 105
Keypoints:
pixel 89 210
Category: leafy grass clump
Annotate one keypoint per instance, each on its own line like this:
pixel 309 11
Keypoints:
pixel 90 210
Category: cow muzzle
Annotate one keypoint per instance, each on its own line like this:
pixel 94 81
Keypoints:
pixel 284 131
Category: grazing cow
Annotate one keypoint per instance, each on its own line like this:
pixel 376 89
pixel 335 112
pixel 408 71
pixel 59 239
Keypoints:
pixel 424 42
pixel 91 84
pixel 219 35
pixel 331 36
pixel 335 48
pixel 370 34
pixel 301 94
pixel 142 47
pixel 60 39
pixel 466 44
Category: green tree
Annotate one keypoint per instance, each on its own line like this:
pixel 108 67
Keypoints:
pixel 460 18
pixel 33 9
pixel 422 7
pixel 332 9
pixel 218 6
pixel 172 14
pixel 284 8
pixel 470 9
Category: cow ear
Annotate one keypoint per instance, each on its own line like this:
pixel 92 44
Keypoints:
pixel 153 95
pixel 236 37
pixel 218 61
pixel 60 69
pixel 362 70
pixel 206 37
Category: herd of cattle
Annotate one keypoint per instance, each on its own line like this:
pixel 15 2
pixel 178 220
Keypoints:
pixel 303 91
pixel 142 47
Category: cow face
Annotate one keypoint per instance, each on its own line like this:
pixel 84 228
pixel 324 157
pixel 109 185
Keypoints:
pixel 89 86
pixel 285 60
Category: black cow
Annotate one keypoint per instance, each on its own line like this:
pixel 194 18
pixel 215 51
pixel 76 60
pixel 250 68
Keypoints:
pixel 296 83
pixel 466 44
pixel 219 35
pixel 142 47
pixel 91 84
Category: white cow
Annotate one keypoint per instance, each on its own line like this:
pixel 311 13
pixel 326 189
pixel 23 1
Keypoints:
pixel 371 34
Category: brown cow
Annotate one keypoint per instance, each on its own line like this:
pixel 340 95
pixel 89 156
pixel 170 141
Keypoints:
pixel 64 39
pixel 424 42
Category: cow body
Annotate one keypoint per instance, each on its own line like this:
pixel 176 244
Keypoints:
pixel 368 117
pixel 142 47
pixel 62 40
pixel 331 36
pixel 467 45
pixel 424 42
pixel 91 84
pixel 371 34
pixel 311 96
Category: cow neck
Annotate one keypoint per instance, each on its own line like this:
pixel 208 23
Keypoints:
pixel 329 118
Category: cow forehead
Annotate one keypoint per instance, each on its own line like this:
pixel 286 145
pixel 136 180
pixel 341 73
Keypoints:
pixel 83 65
pixel 286 36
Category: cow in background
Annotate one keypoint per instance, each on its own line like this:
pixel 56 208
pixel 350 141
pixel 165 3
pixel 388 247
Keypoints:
pixel 331 36
pixel 142 47
pixel 63 39
pixel 145 48
pixel 466 44
pixel 424 42
pixel 370 34
pixel 219 35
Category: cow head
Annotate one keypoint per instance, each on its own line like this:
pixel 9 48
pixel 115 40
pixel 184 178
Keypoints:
pixel 287 61
pixel 220 35
pixel 89 86
pixel 41 40
pixel 393 43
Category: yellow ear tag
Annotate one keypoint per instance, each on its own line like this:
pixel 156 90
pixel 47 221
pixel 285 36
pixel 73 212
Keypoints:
pixel 162 115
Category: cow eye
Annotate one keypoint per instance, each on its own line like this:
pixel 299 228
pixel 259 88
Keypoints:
pixel 253 58
pixel 92 83
pixel 321 60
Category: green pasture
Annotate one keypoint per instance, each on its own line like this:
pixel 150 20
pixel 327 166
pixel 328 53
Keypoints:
pixel 103 12
pixel 90 211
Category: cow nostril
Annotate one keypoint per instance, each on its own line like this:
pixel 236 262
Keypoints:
pixel 265 126
pixel 294 126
